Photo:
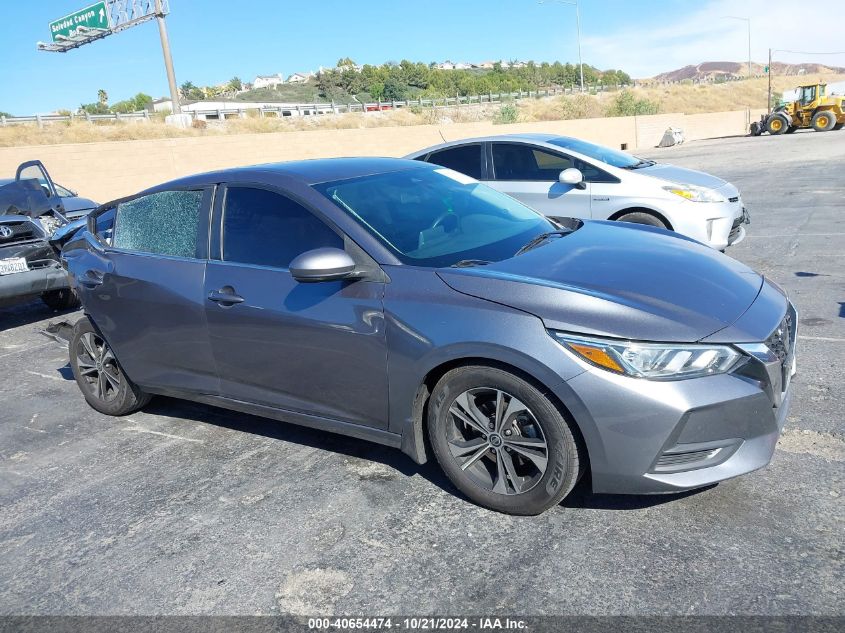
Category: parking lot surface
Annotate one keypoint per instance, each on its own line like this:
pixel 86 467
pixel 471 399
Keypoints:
pixel 185 508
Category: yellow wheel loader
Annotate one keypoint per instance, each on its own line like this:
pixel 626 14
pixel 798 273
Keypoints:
pixel 813 109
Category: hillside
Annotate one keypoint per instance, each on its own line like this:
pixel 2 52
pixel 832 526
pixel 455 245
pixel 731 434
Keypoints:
pixel 681 97
pixel 709 71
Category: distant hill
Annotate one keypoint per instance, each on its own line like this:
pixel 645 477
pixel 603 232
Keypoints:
pixel 710 71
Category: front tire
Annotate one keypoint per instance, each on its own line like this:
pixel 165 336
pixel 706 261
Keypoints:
pixel 777 124
pixel 99 376
pixel 639 217
pixel 502 442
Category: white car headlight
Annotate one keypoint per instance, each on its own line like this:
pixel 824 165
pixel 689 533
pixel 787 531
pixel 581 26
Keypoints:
pixel 695 194
pixel 656 361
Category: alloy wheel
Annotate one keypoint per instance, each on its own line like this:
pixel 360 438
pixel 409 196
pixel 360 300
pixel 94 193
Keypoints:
pixel 98 367
pixel 497 441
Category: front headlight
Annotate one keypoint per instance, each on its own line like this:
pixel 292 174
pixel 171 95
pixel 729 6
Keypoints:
pixel 656 361
pixel 695 194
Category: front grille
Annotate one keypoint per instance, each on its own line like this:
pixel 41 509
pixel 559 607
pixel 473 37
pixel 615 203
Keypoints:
pixel 735 229
pixel 780 340
pixel 18 231
pixel 782 344
pixel 734 199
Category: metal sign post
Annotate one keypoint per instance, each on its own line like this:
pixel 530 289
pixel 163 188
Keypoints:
pixel 106 18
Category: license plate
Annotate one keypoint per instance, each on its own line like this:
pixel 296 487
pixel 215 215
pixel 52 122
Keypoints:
pixel 14 265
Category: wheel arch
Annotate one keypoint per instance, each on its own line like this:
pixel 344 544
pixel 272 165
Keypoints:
pixel 657 214
pixel 415 438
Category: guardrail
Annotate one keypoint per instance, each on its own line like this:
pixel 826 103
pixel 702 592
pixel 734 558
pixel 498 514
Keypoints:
pixel 234 110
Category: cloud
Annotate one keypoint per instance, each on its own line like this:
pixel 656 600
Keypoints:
pixel 667 41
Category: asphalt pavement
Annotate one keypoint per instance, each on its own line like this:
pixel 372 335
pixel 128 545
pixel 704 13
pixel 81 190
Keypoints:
pixel 188 509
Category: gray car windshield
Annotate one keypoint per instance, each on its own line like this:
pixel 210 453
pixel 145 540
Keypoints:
pixel 437 217
pixel 607 155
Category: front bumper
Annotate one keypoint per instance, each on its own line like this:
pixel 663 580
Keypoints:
pixel 648 436
pixel 49 277
pixel 717 224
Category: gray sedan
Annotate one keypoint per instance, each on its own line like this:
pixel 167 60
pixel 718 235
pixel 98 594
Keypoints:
pixel 389 300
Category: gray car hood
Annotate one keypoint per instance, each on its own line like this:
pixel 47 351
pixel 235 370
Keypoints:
pixel 682 176
pixel 617 280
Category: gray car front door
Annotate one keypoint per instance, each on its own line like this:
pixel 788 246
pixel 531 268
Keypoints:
pixel 313 348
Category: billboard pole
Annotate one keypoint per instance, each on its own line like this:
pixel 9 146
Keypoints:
pixel 168 59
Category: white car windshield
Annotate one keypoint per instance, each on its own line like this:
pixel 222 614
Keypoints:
pixel 437 217
pixel 613 157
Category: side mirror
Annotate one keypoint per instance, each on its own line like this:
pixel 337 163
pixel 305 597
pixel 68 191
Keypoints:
pixel 322 264
pixel 571 176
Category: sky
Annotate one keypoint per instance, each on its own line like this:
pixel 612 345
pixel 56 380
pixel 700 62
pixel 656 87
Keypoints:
pixel 215 40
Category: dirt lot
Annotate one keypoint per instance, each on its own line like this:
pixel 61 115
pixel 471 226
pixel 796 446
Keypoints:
pixel 188 509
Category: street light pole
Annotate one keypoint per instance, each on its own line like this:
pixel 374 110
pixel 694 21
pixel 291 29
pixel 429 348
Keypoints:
pixel 748 21
pixel 168 59
pixel 578 26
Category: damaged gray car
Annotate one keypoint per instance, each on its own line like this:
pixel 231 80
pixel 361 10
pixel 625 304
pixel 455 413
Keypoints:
pixel 34 225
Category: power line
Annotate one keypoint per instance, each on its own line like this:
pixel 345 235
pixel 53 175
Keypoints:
pixel 783 50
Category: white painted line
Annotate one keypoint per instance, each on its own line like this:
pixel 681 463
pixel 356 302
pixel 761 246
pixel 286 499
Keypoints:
pixel 172 437
pixel 35 373
pixel 797 235
pixel 829 339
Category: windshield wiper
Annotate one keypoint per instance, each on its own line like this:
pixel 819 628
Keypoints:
pixel 536 241
pixel 641 163
pixel 469 263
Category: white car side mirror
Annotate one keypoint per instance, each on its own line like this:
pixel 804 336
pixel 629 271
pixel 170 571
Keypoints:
pixel 571 176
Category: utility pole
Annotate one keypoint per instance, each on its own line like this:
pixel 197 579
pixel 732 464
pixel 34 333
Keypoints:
pixel 769 102
pixel 578 26
pixel 168 59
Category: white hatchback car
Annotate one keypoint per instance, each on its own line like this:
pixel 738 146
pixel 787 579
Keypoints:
pixel 567 177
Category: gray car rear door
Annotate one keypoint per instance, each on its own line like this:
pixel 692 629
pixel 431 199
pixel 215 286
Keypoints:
pixel 142 285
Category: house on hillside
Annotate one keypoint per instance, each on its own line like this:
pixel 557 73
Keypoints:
pixel 268 81
pixel 488 65
pixel 447 65
pixel 462 66
pixel 299 78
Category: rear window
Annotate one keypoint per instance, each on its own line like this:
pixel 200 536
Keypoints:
pixel 465 159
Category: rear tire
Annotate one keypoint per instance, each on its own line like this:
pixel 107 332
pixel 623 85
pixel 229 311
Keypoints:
pixel 777 124
pixel 823 121
pixel 64 299
pixel 502 442
pixel 640 217
pixel 100 378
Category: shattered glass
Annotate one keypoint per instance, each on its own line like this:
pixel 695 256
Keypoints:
pixel 162 223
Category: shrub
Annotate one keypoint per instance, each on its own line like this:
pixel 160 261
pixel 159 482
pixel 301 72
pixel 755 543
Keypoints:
pixel 507 113
pixel 626 103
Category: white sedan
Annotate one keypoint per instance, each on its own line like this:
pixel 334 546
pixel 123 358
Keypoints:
pixel 567 177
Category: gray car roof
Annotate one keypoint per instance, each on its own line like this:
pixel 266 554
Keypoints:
pixel 308 172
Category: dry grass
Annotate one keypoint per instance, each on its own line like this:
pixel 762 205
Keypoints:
pixel 689 99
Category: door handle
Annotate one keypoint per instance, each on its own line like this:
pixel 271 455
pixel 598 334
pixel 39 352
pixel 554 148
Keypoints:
pixel 225 298
pixel 91 278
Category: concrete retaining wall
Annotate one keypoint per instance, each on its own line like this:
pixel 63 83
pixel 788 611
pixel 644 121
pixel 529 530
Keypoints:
pixel 104 171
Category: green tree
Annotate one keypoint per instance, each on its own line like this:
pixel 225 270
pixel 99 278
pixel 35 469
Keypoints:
pixel 103 97
pixel 235 84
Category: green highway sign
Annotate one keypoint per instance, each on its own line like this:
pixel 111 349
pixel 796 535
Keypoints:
pixel 94 17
